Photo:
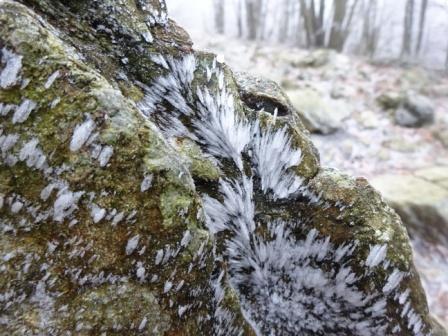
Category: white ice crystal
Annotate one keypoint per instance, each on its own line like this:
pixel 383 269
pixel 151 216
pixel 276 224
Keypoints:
pixel 24 110
pixel 132 244
pixel 377 255
pixel 51 79
pixel 273 155
pixel 7 142
pixel 97 213
pixel 142 324
pixel 6 108
pixel 146 183
pixel 105 155
pixel 9 75
pixel 33 156
pixel 65 204
pixel 220 129
pixel 81 134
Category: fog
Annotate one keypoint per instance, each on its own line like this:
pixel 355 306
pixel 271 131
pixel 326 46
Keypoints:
pixel 198 18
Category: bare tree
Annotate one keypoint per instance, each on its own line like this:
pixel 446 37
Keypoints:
pixel 285 23
pixel 341 23
pixel 421 25
pixel 406 49
pixel 446 59
pixel 239 17
pixel 253 14
pixel 313 22
pixel 370 28
pixel 219 8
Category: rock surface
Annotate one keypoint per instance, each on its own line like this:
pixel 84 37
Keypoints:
pixel 320 115
pixel 421 200
pixel 141 194
pixel 416 111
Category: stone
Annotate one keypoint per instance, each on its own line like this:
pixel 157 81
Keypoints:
pixel 441 134
pixel 316 58
pixel 151 191
pixel 390 100
pixel 368 119
pixel 400 145
pixel 420 200
pixel 433 174
pixel 319 115
pixel 416 111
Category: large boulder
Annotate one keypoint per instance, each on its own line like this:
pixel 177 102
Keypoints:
pixel 421 199
pixel 144 190
pixel 319 114
pixel 416 111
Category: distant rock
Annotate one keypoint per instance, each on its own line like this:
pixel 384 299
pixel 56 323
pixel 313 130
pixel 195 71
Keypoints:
pixel 319 114
pixel 420 199
pixel 390 100
pixel 314 59
pixel 415 111
pixel 441 134
pixel 368 119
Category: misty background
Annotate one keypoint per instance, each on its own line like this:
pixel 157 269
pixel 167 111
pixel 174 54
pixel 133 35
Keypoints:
pixel 411 31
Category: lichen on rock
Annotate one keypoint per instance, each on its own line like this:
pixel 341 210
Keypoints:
pixel 146 190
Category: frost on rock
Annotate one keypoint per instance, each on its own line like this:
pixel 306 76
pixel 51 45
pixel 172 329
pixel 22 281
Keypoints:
pixel 146 183
pixel 273 156
pixel 33 156
pixel 65 204
pixel 105 155
pixel 51 79
pixel 132 244
pixel 9 68
pixel 81 134
pixel 261 248
pixel 23 111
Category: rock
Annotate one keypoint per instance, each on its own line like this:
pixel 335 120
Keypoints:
pixel 316 58
pixel 368 119
pixel 319 115
pixel 390 100
pixel 400 145
pixel 143 192
pixel 420 200
pixel 441 134
pixel 416 111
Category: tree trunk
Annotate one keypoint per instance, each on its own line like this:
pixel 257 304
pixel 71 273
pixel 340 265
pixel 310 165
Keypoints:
pixel 307 23
pixel 337 27
pixel 284 29
pixel 406 49
pixel 421 26
pixel 239 17
pixel 219 8
pixel 252 18
pixel 446 59
pixel 348 23
pixel 320 33
pixel 370 29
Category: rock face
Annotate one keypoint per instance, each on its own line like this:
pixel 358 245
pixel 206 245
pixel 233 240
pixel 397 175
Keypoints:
pixel 318 114
pixel 411 109
pixel 143 190
pixel 421 200
pixel 416 111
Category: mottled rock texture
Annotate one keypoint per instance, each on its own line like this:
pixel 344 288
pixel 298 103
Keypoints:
pixel 141 193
